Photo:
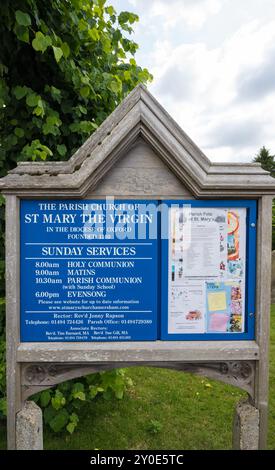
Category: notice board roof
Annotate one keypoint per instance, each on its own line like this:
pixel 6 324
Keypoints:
pixel 138 116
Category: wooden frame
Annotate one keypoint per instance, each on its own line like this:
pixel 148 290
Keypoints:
pixel 36 366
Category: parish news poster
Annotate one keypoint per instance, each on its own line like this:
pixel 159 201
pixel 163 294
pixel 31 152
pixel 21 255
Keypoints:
pixel 207 248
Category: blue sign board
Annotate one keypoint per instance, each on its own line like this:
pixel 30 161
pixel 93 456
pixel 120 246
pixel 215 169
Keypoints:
pixel 88 270
pixel 131 270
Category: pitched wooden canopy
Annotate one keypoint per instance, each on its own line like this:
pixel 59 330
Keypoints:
pixel 138 116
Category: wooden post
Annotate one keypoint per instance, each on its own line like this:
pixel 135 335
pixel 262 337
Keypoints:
pixel 12 315
pixel 263 313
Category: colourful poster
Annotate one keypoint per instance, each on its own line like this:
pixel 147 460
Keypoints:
pixel 224 307
pixel 207 248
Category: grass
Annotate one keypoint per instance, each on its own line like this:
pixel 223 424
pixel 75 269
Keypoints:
pixel 165 410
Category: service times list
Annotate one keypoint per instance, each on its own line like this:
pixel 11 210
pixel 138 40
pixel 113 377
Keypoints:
pixel 88 271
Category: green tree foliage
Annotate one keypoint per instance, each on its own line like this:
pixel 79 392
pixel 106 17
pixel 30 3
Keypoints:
pixel 64 66
pixel 266 160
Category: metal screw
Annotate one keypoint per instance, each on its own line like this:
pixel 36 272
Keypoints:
pixel 253 225
pixel 251 314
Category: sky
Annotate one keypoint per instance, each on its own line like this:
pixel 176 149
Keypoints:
pixel 213 63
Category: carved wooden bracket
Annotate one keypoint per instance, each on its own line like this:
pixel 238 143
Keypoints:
pixel 37 377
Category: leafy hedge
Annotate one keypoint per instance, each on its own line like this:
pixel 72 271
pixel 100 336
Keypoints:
pixel 62 403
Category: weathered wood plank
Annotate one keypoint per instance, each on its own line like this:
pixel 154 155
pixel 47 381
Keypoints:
pixel 139 351
pixel 12 315
pixel 263 311
pixel 143 170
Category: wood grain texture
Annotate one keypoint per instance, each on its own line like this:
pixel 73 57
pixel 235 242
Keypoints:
pixel 142 169
pixel 138 351
pixel 263 296
pixel 140 115
pixel 12 315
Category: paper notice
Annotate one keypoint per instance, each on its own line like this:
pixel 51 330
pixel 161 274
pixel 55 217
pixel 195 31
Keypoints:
pixel 187 308
pixel 217 301
pixel 207 249
pixel 218 322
